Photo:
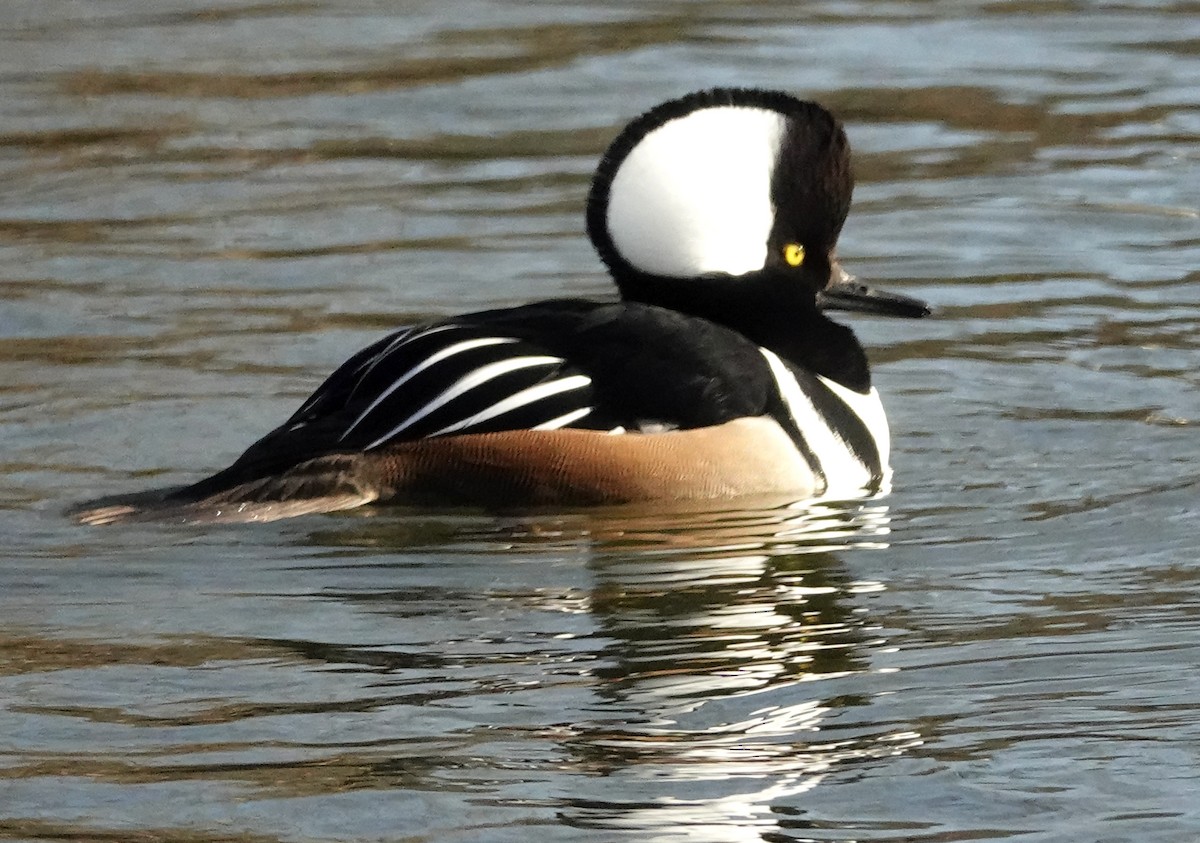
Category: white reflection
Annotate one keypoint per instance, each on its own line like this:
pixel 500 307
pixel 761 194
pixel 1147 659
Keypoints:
pixel 729 631
pixel 725 647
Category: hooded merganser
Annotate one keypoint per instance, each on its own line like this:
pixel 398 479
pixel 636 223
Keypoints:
pixel 716 374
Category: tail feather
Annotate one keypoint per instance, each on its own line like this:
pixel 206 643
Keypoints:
pixel 325 484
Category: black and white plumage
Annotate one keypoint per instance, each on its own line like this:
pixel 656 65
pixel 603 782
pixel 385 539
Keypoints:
pixel 717 373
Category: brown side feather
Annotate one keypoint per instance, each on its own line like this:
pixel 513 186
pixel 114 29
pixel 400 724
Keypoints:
pixel 564 467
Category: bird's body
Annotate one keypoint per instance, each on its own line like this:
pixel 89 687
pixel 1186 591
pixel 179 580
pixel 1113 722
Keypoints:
pixel 717 374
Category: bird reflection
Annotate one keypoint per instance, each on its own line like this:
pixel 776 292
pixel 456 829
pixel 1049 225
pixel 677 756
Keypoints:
pixel 725 658
pixel 719 627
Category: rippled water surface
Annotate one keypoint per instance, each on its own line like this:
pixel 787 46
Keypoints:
pixel 206 206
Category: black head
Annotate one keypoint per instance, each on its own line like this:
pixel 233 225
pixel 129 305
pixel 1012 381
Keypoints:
pixel 728 204
pixel 722 182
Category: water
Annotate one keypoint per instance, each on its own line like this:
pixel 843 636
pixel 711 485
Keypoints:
pixel 206 206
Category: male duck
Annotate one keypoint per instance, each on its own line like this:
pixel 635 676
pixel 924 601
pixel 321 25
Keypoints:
pixel 716 374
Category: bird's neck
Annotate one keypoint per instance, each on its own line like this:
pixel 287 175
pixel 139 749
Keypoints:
pixel 780 318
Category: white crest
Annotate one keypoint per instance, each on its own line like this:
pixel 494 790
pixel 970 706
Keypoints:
pixel 694 195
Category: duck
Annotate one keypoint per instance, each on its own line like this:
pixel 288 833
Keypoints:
pixel 715 373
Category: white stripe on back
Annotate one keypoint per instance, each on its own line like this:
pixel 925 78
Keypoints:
pixel 404 338
pixel 520 399
pixel 563 420
pixel 360 372
pixel 448 351
pixel 843 471
pixel 465 384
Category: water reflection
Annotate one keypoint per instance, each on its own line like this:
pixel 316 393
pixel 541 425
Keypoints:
pixel 716 658
pixel 717 636
pixel 727 602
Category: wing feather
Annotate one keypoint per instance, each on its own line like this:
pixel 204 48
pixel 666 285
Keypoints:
pixel 462 388
pixel 546 366
pixel 449 378
pixel 420 366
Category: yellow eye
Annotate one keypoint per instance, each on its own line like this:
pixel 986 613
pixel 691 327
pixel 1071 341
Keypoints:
pixel 793 253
